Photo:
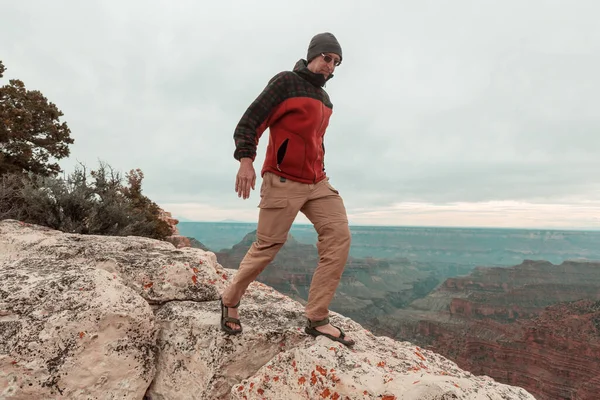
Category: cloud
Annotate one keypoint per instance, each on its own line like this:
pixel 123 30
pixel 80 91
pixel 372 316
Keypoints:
pixel 502 214
pixel 463 102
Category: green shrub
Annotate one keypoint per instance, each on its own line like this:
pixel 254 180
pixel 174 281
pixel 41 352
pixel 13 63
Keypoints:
pixel 98 203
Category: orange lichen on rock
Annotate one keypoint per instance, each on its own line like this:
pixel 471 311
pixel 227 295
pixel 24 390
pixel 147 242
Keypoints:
pixel 321 370
pixel 313 378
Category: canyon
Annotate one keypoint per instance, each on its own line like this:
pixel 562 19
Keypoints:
pixel 534 325
pixel 369 286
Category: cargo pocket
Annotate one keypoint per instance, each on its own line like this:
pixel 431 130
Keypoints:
pixel 274 220
pixel 273 202
pixel 334 190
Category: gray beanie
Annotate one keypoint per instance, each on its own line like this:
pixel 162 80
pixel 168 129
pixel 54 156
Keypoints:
pixel 323 43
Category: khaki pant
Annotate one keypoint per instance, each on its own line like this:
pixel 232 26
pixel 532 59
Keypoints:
pixel 281 200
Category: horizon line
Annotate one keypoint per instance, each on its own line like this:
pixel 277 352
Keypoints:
pixel 580 229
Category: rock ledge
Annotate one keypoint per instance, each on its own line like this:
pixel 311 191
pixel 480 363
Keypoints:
pixel 100 317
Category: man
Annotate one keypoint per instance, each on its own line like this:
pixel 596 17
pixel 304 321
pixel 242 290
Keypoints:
pixel 296 110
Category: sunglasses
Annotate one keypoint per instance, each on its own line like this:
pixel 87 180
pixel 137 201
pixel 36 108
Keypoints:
pixel 329 59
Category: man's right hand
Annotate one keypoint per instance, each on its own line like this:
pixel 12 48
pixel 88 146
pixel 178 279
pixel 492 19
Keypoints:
pixel 246 178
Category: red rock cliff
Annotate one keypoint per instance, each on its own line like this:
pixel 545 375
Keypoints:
pixel 175 238
pixel 535 325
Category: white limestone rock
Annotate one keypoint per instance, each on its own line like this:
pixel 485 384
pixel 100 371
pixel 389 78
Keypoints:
pixel 274 359
pixel 99 317
pixel 68 330
pixel 154 269
pixel 198 361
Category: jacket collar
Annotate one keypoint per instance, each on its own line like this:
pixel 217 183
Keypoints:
pixel 301 68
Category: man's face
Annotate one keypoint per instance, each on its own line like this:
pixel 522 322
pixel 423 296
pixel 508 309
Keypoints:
pixel 324 63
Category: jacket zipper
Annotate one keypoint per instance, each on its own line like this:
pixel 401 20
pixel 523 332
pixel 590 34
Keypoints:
pixel 319 132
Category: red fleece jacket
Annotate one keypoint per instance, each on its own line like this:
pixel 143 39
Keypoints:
pixel 296 109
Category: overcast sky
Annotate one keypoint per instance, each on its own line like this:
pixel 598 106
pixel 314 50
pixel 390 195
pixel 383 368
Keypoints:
pixel 460 113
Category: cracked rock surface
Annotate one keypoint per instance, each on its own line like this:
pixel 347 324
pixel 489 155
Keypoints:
pixel 100 317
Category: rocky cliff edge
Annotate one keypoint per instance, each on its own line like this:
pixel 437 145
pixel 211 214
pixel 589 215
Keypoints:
pixel 101 317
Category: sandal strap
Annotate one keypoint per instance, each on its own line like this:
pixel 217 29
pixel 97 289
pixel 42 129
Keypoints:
pixel 236 306
pixel 314 324
pixel 233 320
pixel 342 338
pixel 342 333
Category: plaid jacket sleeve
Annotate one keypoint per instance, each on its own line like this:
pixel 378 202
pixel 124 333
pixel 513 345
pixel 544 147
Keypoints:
pixel 258 116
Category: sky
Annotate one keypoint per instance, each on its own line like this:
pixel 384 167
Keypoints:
pixel 464 113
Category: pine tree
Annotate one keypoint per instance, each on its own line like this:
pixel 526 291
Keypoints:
pixel 31 132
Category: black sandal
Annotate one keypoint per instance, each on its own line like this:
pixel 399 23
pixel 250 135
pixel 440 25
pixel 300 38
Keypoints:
pixel 225 318
pixel 310 329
